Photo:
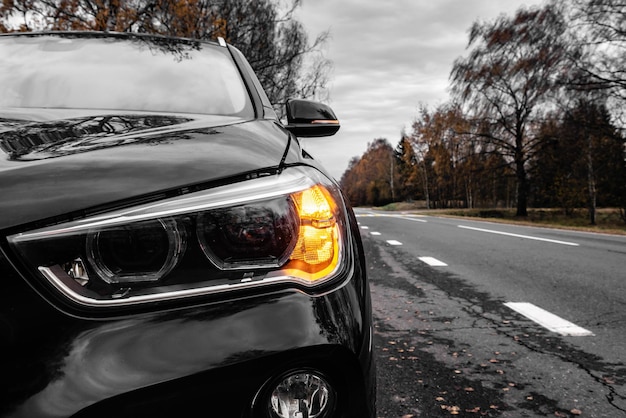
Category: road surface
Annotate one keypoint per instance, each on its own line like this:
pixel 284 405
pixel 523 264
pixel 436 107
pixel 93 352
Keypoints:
pixel 482 319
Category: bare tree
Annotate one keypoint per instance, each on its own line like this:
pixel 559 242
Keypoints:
pixel 505 84
pixel 597 50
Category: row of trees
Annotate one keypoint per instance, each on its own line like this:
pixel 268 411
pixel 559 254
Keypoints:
pixel 536 118
pixel 266 31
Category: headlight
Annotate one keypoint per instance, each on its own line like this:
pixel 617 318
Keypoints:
pixel 289 229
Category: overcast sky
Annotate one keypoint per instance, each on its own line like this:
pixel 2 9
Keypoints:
pixel 389 57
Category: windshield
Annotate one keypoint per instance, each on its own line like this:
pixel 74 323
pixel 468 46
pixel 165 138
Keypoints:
pixel 130 74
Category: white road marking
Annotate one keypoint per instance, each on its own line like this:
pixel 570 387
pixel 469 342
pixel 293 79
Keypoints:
pixel 413 219
pixel 520 236
pixel 393 242
pixel 365 227
pixel 375 233
pixel 433 262
pixel 548 320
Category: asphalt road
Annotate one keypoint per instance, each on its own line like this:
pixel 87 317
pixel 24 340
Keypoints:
pixel 448 342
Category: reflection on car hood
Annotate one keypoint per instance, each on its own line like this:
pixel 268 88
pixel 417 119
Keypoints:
pixel 53 167
pixel 27 141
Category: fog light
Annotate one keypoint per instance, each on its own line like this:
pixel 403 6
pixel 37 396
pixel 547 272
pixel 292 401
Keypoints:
pixel 302 395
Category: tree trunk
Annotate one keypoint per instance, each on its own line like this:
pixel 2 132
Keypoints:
pixel 522 189
pixel 425 185
pixel 591 183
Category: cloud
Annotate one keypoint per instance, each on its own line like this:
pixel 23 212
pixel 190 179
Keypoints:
pixel 389 58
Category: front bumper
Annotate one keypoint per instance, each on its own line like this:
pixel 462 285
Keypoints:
pixel 219 356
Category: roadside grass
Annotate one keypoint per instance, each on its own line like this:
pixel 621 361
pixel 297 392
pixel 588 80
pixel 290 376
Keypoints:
pixel 608 220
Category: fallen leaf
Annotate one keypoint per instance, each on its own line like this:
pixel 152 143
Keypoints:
pixel 576 412
pixel 454 410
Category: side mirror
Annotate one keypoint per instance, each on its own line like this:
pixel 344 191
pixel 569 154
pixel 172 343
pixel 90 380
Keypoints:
pixel 306 118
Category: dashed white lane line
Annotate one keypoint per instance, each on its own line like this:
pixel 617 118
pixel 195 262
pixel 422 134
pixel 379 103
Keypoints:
pixel 520 236
pixel 548 320
pixel 433 262
pixel 365 227
pixel 375 233
pixel 393 242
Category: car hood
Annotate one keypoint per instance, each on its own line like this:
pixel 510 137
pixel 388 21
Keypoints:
pixel 52 165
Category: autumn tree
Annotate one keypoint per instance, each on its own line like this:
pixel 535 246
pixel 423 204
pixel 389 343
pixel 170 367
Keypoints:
pixel 505 84
pixel 266 31
pixel 369 179
pixel 407 171
pixel 350 183
pixel 428 137
pixel 444 152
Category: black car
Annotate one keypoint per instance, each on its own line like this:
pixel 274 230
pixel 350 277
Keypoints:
pixel 168 249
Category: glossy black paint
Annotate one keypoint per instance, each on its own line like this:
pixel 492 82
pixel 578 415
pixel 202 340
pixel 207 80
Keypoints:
pixel 58 365
pixel 197 358
pixel 130 158
pixel 310 119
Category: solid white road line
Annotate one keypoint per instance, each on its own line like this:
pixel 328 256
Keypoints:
pixel 548 320
pixel 413 219
pixel 433 262
pixel 393 242
pixel 520 236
